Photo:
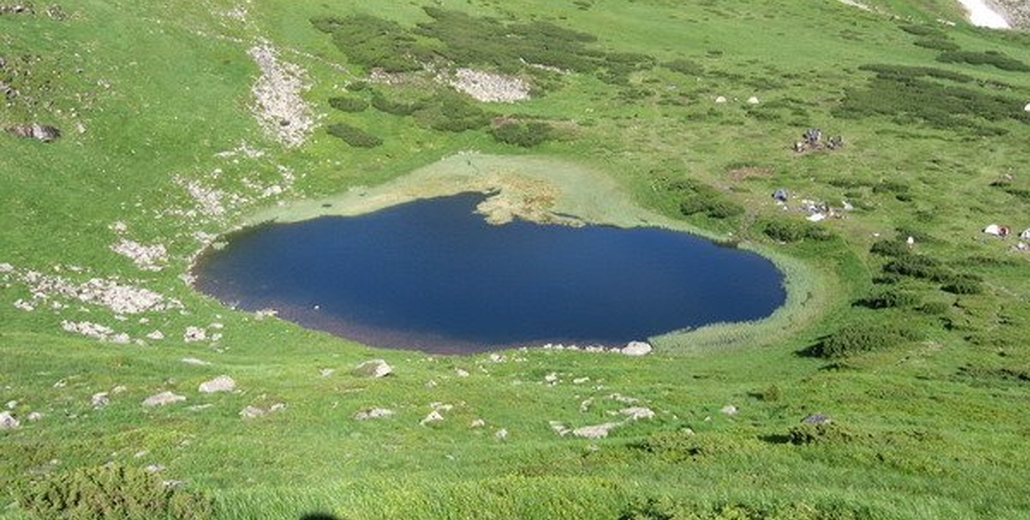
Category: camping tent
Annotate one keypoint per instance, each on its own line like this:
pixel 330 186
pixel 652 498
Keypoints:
pixel 996 230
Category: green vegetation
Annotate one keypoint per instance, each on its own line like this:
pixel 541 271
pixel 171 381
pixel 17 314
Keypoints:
pixel 354 136
pixel 915 348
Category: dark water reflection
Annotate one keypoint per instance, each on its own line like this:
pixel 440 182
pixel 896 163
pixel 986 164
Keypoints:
pixel 433 275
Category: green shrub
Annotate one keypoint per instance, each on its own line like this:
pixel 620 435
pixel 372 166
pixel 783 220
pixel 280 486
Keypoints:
pixel 685 67
pixel 348 104
pixel 770 394
pixel 893 248
pixel 922 30
pixel 112 493
pixel 889 299
pixel 821 433
pixel 858 338
pixel 938 44
pixel 934 308
pixel 526 135
pixel 354 136
pixel 397 108
pixel 963 286
pixel 701 198
pixel 791 231
pixel 916 266
pixel 452 112
pixel 993 58
pixel 374 42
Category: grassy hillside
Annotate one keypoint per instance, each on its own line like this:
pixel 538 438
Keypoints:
pixel 915 349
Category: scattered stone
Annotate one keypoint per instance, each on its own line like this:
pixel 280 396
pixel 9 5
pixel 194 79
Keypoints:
pixel 12 404
pixel 34 416
pixel 1026 108
pixel 729 410
pixel 488 87
pixel 375 368
pixel 277 407
pixel 326 372
pixel 559 428
pixel 581 380
pixel 637 412
pixel 45 133
pixel 199 407
pixel 501 434
pixel 221 383
pixel 251 412
pixel 6 268
pixel 120 389
pixel 147 258
pixel 551 378
pixel 154 468
pixel 753 100
pixel 477 423
pixel 8 422
pixel 194 361
pixel 624 399
pixel 88 329
pixel 817 418
pixel 720 99
pixel 100 400
pixel 373 413
pixel 637 348
pixel 156 335
pixel 461 372
pixel 280 108
pixel 162 399
pixel 595 432
pixel 23 305
pixel 433 417
pixel 193 334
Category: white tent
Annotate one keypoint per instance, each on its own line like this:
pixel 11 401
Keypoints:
pixel 996 230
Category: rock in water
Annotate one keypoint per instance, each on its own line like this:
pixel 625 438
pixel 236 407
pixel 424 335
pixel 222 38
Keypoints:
pixel 218 384
pixel 373 368
pixel 162 399
pixel 637 348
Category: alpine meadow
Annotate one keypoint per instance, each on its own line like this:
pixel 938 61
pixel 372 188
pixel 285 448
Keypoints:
pixel 875 151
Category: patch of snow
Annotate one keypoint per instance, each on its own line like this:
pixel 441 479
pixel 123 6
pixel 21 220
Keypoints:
pixel 982 15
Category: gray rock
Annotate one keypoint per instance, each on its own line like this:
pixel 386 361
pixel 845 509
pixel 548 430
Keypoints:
pixel 100 400
pixel 162 399
pixel 729 410
pixel 251 412
pixel 34 416
pixel 8 422
pixel 596 431
pixel 372 368
pixel 433 417
pixel 221 383
pixel 373 413
pixel 817 418
pixel 501 434
pixel 637 348
pixel 637 412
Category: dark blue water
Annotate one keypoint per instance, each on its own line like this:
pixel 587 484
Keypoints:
pixel 432 275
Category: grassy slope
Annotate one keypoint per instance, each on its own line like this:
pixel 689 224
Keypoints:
pixel 929 442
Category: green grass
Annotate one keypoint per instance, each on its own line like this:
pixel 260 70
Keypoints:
pixel 929 419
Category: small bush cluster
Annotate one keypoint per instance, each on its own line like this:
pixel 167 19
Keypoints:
pixel 859 338
pixel 460 39
pixel 685 67
pixel 452 112
pixel 789 231
pixel 354 136
pixel 930 96
pixel 666 508
pixel 97 493
pixel 993 58
pixel 937 44
pixel 889 299
pixel 821 433
pixel 700 198
pixel 525 135
pixel 395 107
pixel 348 104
